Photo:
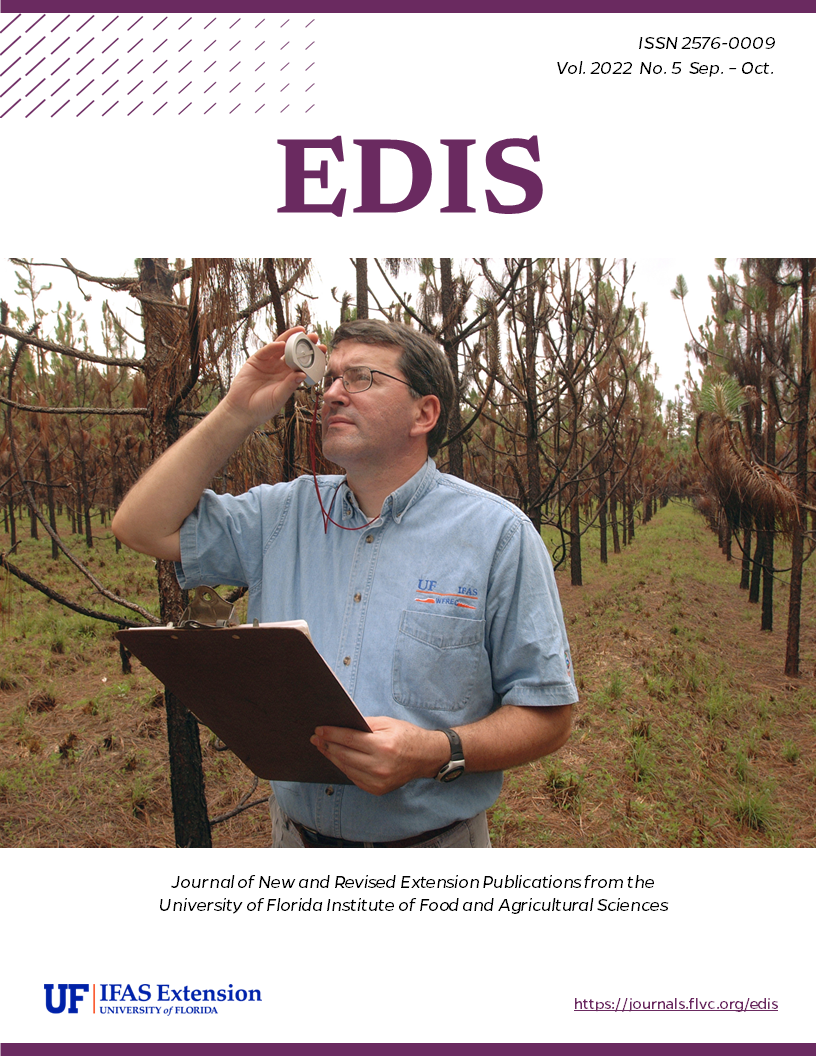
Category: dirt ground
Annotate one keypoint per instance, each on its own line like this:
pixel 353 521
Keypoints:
pixel 687 733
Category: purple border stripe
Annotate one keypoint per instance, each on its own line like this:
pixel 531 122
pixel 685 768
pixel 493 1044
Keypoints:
pixel 404 1049
pixel 742 7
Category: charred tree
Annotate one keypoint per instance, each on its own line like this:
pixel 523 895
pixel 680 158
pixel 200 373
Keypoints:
pixel 456 464
pixel 168 364
pixel 801 440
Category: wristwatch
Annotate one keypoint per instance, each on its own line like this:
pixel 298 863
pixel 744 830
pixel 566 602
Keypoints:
pixel 456 766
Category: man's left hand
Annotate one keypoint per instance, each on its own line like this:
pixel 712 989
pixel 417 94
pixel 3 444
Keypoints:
pixel 394 753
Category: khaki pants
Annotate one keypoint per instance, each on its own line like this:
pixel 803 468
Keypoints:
pixel 470 833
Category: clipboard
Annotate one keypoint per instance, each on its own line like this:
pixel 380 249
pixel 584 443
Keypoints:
pixel 262 690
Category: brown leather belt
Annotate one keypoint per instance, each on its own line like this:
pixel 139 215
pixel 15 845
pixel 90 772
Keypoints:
pixel 317 839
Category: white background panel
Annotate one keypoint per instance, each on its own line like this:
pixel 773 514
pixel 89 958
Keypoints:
pixel 631 165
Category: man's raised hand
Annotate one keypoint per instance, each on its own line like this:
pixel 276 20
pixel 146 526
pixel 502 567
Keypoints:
pixel 265 382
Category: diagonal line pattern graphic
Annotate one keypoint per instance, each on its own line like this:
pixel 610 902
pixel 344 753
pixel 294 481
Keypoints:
pixel 138 65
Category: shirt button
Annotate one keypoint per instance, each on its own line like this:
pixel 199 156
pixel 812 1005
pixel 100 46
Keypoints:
pixel 347 660
pixel 358 597
pixel 330 791
pixel 369 538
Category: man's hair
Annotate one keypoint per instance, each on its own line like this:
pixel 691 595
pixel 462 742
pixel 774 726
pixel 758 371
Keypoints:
pixel 422 361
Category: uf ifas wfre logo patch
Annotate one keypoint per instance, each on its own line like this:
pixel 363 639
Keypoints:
pixel 142 998
pixel 464 597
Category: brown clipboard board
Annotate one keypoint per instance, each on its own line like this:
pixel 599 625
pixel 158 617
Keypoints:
pixel 262 690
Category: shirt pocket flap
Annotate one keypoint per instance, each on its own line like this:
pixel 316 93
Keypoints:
pixel 441 632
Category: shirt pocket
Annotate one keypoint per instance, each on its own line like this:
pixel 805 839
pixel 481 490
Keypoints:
pixel 436 661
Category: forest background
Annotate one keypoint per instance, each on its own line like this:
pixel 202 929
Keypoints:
pixel 657 509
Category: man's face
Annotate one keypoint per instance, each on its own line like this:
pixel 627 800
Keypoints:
pixel 372 426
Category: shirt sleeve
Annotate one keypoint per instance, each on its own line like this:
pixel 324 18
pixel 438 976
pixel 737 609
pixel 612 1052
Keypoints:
pixel 222 541
pixel 530 654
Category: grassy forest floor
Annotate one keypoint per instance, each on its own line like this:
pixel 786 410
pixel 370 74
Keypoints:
pixel 687 734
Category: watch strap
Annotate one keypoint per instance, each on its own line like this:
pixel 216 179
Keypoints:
pixel 455 766
pixel 455 743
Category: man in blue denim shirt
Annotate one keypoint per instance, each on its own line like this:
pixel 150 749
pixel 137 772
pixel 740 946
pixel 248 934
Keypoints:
pixel 433 601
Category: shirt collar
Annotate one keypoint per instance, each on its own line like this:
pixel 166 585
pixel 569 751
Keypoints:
pixel 399 502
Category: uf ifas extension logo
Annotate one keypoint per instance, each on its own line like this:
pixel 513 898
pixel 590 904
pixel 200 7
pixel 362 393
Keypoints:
pixel 70 994
pixel 144 998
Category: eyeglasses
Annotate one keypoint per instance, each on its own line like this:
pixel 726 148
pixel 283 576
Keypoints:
pixel 356 379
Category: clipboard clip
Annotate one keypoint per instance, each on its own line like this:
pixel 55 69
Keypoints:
pixel 208 609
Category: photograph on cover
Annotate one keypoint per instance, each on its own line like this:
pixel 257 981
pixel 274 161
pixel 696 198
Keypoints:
pixel 547 516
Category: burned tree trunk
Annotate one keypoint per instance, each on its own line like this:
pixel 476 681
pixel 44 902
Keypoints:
pixel 289 440
pixel 361 270
pixel 801 440
pixel 456 464
pixel 531 402
pixel 168 363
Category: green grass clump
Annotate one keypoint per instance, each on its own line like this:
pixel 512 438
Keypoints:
pixel 741 766
pixel 613 691
pixel 563 785
pixel 719 703
pixel 642 760
pixel 754 809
